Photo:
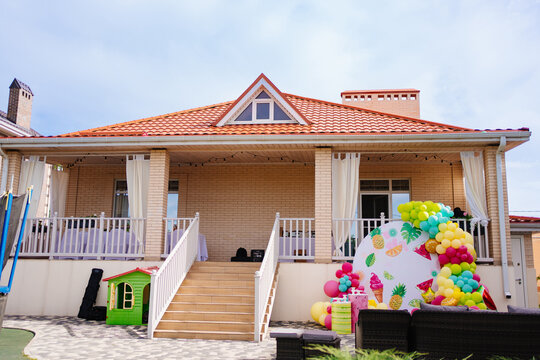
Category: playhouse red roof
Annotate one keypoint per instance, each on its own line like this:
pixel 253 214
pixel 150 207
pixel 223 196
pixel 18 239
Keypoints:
pixel 146 270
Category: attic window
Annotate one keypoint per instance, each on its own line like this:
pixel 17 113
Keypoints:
pixel 263 110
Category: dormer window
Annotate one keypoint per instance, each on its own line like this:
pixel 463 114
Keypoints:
pixel 263 110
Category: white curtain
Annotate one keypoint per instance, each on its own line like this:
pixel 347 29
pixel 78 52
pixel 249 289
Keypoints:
pixel 32 174
pixel 59 186
pixel 345 180
pixel 475 189
pixel 138 178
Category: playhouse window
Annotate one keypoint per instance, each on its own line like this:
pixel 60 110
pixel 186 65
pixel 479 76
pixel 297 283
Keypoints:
pixel 124 296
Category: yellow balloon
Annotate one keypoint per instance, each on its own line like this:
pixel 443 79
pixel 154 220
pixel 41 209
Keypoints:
pixel 436 207
pixel 470 248
pixel 449 283
pixel 456 243
pixel 443 227
pixel 405 216
pixel 441 280
pixel 439 237
pixel 414 214
pixel 321 319
pixel 459 233
pixel 416 223
pixel 446 272
pixel 448 292
pixel 440 249
pixel 452 227
pixel 457 294
pixel 446 243
pixel 423 215
pixel 428 296
pixel 423 207
pixel 448 235
pixel 317 310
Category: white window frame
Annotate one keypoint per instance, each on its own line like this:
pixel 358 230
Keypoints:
pixel 388 192
pixel 272 102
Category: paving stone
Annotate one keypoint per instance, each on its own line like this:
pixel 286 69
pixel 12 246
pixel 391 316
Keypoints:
pixel 63 337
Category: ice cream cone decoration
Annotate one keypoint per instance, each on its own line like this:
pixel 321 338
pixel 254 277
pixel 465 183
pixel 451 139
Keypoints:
pixel 377 287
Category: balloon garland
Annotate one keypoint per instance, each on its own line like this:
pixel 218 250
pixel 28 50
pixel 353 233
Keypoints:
pixel 458 283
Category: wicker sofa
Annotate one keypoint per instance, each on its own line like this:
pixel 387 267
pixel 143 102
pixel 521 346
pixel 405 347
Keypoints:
pixel 451 335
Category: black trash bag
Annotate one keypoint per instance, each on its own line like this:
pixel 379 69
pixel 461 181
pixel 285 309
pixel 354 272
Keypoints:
pixel 90 294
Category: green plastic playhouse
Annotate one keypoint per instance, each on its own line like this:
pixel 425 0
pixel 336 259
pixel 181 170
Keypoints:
pixel 128 295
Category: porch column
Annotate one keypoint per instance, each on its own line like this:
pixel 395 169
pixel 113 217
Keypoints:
pixel 14 170
pixel 157 203
pixel 323 205
pixel 490 170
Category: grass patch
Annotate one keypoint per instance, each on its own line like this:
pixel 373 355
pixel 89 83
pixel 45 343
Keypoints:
pixel 12 343
pixel 332 353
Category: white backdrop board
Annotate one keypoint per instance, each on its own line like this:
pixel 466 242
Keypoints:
pixel 395 254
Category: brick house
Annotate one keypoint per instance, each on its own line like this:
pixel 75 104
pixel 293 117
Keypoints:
pixel 237 164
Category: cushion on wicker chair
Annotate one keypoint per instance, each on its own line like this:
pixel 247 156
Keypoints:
pixel 522 310
pixel 286 333
pixel 429 307
pixel 319 335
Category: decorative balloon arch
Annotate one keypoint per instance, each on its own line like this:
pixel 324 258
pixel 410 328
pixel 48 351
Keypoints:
pixel 425 257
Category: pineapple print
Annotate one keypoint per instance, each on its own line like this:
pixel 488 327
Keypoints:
pixel 397 296
pixel 378 240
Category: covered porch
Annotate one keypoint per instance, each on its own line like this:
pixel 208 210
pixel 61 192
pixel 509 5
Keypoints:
pixel 237 193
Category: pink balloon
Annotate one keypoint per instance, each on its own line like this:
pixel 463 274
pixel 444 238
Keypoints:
pixel 443 259
pixel 329 309
pixel 341 294
pixel 472 307
pixel 455 260
pixel 462 249
pixel 438 300
pixel 464 257
pixel 355 276
pixel 413 310
pixel 355 283
pixel 347 267
pixel 328 322
pixel 470 258
pixel 450 252
pixel 331 288
pixel 476 277
pixel 339 274
pixel 349 290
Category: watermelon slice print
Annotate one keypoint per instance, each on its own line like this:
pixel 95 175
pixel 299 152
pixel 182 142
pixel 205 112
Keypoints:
pixel 421 250
pixel 425 285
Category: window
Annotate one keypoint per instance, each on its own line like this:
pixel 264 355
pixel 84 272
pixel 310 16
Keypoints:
pixel 123 296
pixel 121 202
pixel 263 109
pixel 383 196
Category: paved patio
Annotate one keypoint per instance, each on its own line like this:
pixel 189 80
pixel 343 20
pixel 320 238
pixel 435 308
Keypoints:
pixel 74 338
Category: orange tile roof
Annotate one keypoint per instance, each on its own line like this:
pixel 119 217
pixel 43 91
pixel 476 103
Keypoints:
pixel 324 118
pixel 515 219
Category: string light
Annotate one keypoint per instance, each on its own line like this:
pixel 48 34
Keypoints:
pixel 221 159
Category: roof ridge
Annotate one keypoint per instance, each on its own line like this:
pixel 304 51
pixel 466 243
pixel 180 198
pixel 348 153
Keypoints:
pixel 352 107
pixel 148 118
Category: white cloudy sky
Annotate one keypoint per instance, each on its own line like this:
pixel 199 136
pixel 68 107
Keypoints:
pixel 98 62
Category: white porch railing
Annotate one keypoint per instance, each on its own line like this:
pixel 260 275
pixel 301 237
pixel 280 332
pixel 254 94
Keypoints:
pixel 166 281
pixel 174 229
pixel 264 279
pixel 84 238
pixel 360 228
pixel 296 239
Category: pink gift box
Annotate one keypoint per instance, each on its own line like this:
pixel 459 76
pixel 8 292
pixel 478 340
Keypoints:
pixel 358 301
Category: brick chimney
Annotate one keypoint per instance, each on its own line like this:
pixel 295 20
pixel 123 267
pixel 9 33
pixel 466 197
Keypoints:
pixel 404 102
pixel 20 103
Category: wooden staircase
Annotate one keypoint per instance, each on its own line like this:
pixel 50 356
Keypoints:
pixel 215 301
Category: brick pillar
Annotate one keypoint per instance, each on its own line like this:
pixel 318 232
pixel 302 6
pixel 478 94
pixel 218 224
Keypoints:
pixel 157 203
pixel 323 205
pixel 490 171
pixel 14 170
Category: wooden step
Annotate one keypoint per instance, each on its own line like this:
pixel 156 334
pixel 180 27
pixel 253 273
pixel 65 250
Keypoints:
pixel 216 290
pixel 208 335
pixel 212 299
pixel 229 264
pixel 220 283
pixel 231 326
pixel 208 315
pixel 219 276
pixel 223 307
pixel 225 269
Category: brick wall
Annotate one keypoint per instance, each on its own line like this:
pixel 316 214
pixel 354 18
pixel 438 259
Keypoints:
pixel 157 203
pixel 400 103
pixel 323 205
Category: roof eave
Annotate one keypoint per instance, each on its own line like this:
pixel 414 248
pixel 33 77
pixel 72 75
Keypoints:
pixel 517 137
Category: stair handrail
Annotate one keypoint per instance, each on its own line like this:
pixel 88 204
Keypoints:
pixel 165 282
pixel 264 278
